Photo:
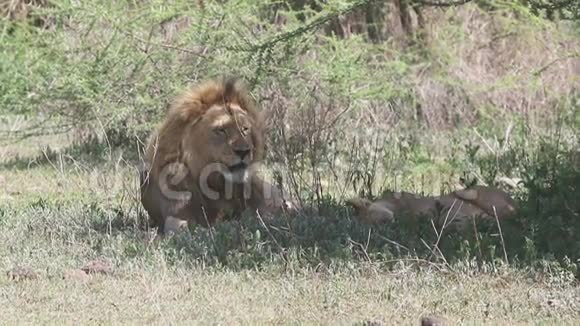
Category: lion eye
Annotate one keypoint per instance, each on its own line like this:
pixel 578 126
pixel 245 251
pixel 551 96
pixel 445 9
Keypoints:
pixel 220 131
pixel 245 130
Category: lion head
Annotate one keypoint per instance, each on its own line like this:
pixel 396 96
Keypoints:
pixel 213 127
pixel 200 162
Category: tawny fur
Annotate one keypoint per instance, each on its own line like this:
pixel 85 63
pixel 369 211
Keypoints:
pixel 491 200
pixel 191 138
pixel 451 210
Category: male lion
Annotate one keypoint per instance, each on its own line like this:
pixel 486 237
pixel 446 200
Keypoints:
pixel 200 163
pixel 452 210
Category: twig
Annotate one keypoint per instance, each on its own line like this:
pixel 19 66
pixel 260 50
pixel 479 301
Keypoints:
pixel 362 248
pixel 313 25
pixel 477 238
pixel 282 251
pixel 485 142
pixel 209 228
pixel 368 239
pixel 393 242
pixel 284 231
pixel 148 43
pixel 508 133
pixel 445 224
pixel 442 3
pixel 418 260
pixel 50 162
pixel 500 235
pixel 433 253
pixel 551 63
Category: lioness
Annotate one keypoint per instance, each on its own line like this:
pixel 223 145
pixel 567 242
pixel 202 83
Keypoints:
pixel 200 163
pixel 391 205
pixel 450 210
pixel 493 201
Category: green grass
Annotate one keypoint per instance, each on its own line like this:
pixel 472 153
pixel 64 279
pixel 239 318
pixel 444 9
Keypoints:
pixel 324 269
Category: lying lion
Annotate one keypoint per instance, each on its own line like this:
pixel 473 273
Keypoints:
pixel 200 163
pixel 453 209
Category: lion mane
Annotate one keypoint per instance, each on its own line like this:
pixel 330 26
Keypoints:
pixel 199 163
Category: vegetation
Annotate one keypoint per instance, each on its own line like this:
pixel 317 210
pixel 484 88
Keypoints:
pixel 361 97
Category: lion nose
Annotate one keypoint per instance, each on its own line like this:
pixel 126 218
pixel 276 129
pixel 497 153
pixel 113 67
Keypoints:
pixel 242 153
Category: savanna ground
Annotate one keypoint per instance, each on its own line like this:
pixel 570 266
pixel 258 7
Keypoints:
pixel 361 97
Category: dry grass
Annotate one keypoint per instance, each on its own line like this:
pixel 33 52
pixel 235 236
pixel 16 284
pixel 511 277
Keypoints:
pixel 150 284
pixel 154 294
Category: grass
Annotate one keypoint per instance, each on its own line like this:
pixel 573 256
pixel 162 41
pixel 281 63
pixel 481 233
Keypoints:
pixel 154 293
pixel 56 218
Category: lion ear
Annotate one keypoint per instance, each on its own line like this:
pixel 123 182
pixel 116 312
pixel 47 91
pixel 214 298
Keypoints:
pixel 187 110
pixel 234 91
pixel 230 88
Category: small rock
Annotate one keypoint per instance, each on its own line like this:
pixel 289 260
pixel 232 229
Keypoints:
pixel 21 274
pixel 98 267
pixel 432 320
pixel 75 275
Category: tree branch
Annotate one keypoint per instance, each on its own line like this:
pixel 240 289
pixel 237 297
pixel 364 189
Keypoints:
pixel 441 3
pixel 553 5
pixel 313 25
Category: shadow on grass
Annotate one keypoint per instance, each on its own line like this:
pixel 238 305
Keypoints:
pixel 310 241
pixel 336 238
